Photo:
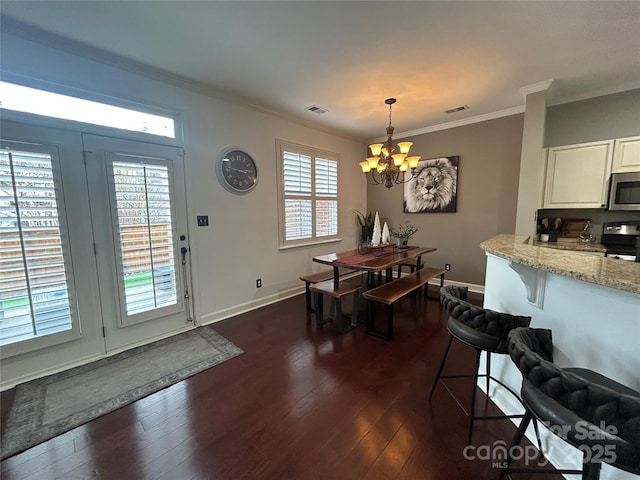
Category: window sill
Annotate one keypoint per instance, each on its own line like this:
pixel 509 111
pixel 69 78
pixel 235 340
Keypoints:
pixel 309 244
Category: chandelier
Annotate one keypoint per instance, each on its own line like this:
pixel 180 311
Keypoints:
pixel 384 167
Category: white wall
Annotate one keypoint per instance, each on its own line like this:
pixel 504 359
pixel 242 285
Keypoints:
pixel 241 242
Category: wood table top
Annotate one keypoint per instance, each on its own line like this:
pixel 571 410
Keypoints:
pixel 374 260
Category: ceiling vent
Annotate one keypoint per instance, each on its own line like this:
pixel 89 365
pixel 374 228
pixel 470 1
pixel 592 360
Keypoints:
pixel 317 109
pixel 457 109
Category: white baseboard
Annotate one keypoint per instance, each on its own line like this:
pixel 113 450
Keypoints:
pixel 248 306
pixel 223 314
pixel 471 286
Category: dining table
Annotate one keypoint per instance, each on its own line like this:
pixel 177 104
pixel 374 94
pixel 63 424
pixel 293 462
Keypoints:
pixel 373 259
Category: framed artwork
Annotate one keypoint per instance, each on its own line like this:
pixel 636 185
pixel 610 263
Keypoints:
pixel 434 187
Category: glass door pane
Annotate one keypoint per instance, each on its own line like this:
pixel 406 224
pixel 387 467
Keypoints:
pixel 34 284
pixel 145 228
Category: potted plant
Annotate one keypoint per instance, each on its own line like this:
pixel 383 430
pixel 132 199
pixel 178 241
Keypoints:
pixel 366 225
pixel 403 233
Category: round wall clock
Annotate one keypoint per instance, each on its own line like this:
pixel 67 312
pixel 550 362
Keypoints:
pixel 236 170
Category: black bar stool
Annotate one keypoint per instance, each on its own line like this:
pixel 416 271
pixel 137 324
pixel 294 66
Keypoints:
pixel 587 410
pixel 483 330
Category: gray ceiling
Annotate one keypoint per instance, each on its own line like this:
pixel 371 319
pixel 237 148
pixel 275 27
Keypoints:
pixel 349 56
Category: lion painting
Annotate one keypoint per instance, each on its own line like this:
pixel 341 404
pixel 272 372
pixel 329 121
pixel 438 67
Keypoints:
pixel 434 186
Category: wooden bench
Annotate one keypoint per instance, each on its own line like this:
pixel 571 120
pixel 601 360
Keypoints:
pixel 389 293
pixel 316 278
pixel 346 287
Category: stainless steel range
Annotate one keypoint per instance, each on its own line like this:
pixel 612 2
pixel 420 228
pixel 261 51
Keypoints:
pixel 622 240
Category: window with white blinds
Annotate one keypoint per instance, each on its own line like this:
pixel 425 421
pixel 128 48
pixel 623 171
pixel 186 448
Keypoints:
pixel 34 283
pixel 145 230
pixel 309 201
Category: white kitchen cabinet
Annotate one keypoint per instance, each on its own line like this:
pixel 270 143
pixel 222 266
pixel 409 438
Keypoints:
pixel 578 175
pixel 626 155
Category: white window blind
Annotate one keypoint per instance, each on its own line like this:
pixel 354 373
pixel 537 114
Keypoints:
pixel 309 193
pixel 297 174
pixel 143 203
pixel 34 290
pixel 326 175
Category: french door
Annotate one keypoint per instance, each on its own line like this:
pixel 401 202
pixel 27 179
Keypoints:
pixel 93 247
pixel 138 214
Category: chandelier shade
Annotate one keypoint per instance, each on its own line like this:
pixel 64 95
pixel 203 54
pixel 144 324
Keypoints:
pixel 384 167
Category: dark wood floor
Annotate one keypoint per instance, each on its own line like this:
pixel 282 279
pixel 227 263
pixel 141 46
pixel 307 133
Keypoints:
pixel 301 403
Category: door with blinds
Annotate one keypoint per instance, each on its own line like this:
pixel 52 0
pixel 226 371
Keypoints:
pixel 138 208
pixel 49 298
pixel 36 281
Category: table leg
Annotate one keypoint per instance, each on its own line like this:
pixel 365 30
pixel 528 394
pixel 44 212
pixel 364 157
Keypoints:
pixel 336 277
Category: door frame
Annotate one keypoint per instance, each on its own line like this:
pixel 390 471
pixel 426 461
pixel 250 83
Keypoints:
pixel 120 335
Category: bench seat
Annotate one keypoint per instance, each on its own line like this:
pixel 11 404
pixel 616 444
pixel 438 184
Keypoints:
pixel 389 293
pixel 346 287
pixel 313 278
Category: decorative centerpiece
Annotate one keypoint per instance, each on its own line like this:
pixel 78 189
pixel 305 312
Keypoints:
pixel 403 233
pixel 376 238
pixel 386 236
pixel 366 226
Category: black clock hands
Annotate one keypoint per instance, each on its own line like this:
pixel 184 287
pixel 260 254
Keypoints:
pixel 241 171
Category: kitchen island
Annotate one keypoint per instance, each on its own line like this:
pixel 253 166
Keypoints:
pixel 591 304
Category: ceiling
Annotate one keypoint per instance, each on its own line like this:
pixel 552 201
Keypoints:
pixel 348 57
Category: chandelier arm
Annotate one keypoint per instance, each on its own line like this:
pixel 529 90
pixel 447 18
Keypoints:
pixel 405 179
pixel 373 177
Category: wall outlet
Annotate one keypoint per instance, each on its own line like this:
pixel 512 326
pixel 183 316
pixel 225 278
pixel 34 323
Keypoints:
pixel 447 267
pixel 203 220
pixel 258 283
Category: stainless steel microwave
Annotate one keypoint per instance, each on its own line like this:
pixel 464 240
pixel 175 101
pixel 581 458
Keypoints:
pixel 625 191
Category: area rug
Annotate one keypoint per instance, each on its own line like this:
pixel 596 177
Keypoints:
pixel 48 406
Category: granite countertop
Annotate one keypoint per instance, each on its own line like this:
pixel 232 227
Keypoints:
pixel 575 246
pixel 608 272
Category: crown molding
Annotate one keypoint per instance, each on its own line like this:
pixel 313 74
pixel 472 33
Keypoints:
pixel 545 85
pixel 457 123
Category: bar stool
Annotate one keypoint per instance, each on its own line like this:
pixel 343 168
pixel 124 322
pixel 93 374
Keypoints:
pixel 587 410
pixel 483 330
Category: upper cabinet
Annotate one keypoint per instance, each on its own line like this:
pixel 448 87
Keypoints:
pixel 578 175
pixel 626 155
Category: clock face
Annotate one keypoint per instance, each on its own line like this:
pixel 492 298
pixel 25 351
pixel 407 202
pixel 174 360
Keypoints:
pixel 236 171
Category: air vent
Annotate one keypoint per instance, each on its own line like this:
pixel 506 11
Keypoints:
pixel 457 109
pixel 317 109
